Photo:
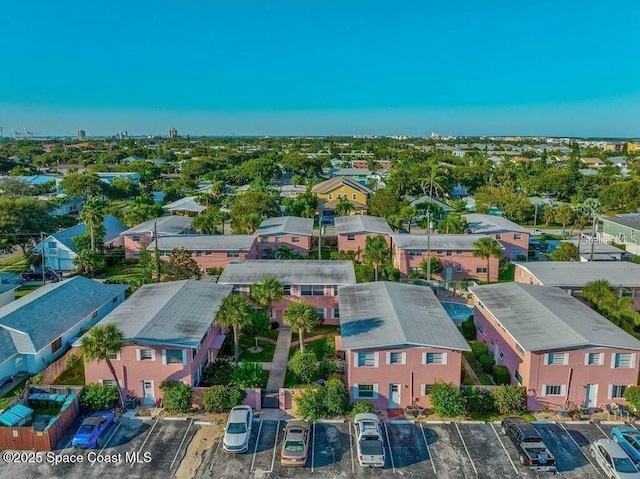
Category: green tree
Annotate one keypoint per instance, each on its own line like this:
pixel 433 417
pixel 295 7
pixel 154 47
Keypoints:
pixel 408 214
pixel 304 365
pixel 436 266
pixel 91 262
pixel 206 223
pixel 597 291
pixel 620 312
pixel 141 209
pixel 447 400
pixel 235 312
pixel 376 252
pixel 22 220
pixel 267 292
pixel 99 344
pixel 453 223
pixel 565 216
pixel 548 215
pixel 92 215
pixel 566 252
pixel 82 184
pixel 146 262
pixel 487 248
pixel 181 266
pixel 301 316
pixel 344 207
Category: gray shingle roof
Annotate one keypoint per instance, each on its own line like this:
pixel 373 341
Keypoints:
pixel 7 347
pixel 374 315
pixel 330 185
pixel 112 226
pixel 577 273
pixel 361 224
pixel 631 221
pixel 169 225
pixel 178 313
pixel 48 312
pixel 204 242
pixel 6 287
pixel 487 224
pixel 187 203
pixel 544 318
pixel 438 242
pixel 290 272
pixel 285 225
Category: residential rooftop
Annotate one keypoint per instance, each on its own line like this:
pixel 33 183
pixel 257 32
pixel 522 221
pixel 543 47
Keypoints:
pixel 542 318
pixel 361 224
pixel 462 242
pixel 385 314
pixel 300 272
pixel 173 224
pixel 489 224
pixel 113 228
pixel 579 273
pixel 631 221
pixel 282 225
pixel 187 203
pixel 204 242
pixel 330 185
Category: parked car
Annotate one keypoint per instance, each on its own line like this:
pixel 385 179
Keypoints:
pixel 92 431
pixel 531 449
pixel 10 278
pixel 295 447
pixel 629 440
pixel 369 443
pixel 36 275
pixel 238 430
pixel 613 460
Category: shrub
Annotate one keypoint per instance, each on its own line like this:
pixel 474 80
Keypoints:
pixel 73 361
pixel 510 399
pixel 336 398
pixel 36 378
pixel 360 407
pixel 487 362
pixel 97 397
pixel 311 403
pixel 478 348
pixel 632 395
pixel 521 257
pixel 303 365
pixel 636 260
pixel 274 325
pixel 447 400
pixel 258 325
pixel 220 371
pixel 249 375
pixel 218 398
pixel 215 270
pixel 177 396
pixel 329 349
pixel 478 401
pixel 469 330
pixel 501 375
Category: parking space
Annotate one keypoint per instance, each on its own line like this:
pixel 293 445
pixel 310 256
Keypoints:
pixel 409 451
pixel 448 452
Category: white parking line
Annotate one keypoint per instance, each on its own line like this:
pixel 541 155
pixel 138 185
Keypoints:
pixel 353 465
pixel 386 431
pixel 180 446
pixel 215 455
pixel 256 446
pixel 433 464
pixel 313 445
pixel 145 441
pixel 275 443
pixel 601 430
pixel 505 449
pixel 578 446
pixel 466 449
pixel 107 442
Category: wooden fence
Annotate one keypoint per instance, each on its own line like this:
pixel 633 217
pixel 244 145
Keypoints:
pixel 56 368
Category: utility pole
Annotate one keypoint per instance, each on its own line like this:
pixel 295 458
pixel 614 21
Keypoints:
pixel 320 240
pixel 156 258
pixel 593 235
pixel 44 276
pixel 429 246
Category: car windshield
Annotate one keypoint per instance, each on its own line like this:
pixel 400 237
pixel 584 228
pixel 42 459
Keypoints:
pixel 86 429
pixel 237 428
pixel 294 446
pixel 624 464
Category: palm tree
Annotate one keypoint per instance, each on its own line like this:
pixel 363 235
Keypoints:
pixel 564 214
pixel 235 312
pixel 453 223
pixel 344 207
pixel 206 223
pixel 597 291
pixel 92 215
pixel 548 215
pixel 620 312
pixel 408 213
pixel 99 344
pixel 302 316
pixel 487 248
pixel 269 291
pixel 285 252
pixel 376 252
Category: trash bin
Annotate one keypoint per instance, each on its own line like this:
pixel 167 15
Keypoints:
pixel 131 403
pixel 564 412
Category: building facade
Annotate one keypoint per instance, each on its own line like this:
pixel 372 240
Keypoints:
pixel 513 237
pixel 143 234
pixel 352 232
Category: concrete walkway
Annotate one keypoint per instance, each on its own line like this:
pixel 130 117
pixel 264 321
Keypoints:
pixel 470 371
pixel 280 360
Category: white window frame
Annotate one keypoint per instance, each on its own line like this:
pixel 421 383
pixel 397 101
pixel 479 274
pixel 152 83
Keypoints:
pixel 442 355
pixel 357 361
pixel 458 269
pixel 115 357
pixel 183 354
pixel 423 389
pixel 599 362
pixel 517 236
pixel 563 390
pixel 403 357
pixel 550 361
pixel 356 392
pixel 610 394
pixel 615 362
pixel 139 354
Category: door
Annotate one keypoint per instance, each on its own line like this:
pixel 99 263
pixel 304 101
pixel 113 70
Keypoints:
pixel 496 353
pixel 148 395
pixel 448 275
pixel 394 396
pixel 592 395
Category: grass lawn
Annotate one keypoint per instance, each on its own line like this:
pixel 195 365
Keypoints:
pixel 317 347
pixel 72 376
pixel 508 275
pixel 264 356
pixel 466 379
pixel 322 329
pixel 325 253
pixel 475 365
pixel 496 417
pixel 16 265
pixel 14 393
pixel 24 290
pixel 123 272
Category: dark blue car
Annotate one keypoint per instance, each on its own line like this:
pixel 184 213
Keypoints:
pixel 629 440
pixel 91 432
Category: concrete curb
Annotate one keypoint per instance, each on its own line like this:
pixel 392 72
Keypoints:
pixel 176 418
pixel 473 422
pixel 331 421
pixel 205 423
pixel 613 423
pixel 435 422
pixel 544 422
pixel 575 422
pixel 401 421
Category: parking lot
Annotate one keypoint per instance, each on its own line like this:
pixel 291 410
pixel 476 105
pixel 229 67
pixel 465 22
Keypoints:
pixel 155 448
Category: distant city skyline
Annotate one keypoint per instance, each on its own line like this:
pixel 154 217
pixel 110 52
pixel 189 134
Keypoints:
pixel 322 68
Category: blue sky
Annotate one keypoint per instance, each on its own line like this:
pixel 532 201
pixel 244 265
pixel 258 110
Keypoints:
pixel 318 67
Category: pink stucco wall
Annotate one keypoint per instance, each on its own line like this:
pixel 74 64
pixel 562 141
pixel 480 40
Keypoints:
pixel 512 246
pixel 359 241
pixel 274 242
pixel 211 259
pixel 523 276
pixel 410 376
pixel 132 247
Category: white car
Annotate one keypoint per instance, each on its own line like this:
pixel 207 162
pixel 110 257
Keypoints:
pixel 238 430
pixel 613 460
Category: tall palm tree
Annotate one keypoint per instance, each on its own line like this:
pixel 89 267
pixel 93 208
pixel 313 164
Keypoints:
pixel 487 248
pixel 92 215
pixel 597 291
pixel 269 291
pixel 564 214
pixel 408 214
pixel 344 207
pixel 235 312
pixel 453 223
pixel 302 316
pixel 620 312
pixel 99 344
pixel 376 252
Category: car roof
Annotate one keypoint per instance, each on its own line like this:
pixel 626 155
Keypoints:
pixel 613 448
pixel 296 424
pixel 239 413
pixel 527 429
pixel 93 420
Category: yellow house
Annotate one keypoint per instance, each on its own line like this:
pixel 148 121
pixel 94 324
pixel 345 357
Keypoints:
pixel 331 191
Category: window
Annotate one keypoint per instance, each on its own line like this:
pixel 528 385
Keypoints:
pixel 278 239
pixel 207 253
pixel 480 328
pixel 364 391
pixel 109 382
pixel 481 270
pixel 115 357
pixel 434 358
pixel 198 254
pixel 367 359
pixel 439 251
pixel 173 356
pixel 554 390
pixel 593 358
pixel 517 236
pixel 336 312
pixel 135 238
pixel 498 236
pixel 287 289
pixel 555 358
pixel 501 355
pixel 449 252
pixel 459 251
pixel 617 390
pixel 165 253
pixel 623 360
pixel 295 239
pixel 52 245
pixel 56 345
pixel 395 358
pixel 354 196
pixel 415 253
pixel 351 237
pixel 146 355
pixel 518 377
pixel 425 389
pixel 517 251
pixel 320 312
pixel 311 290
pixel 233 254
pixel 458 269
pixel 330 196
pixel 264 239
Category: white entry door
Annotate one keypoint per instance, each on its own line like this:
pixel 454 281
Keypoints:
pixel 592 395
pixel 448 274
pixel 394 396
pixel 496 353
pixel 148 395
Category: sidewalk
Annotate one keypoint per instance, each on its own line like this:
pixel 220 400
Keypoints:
pixel 280 360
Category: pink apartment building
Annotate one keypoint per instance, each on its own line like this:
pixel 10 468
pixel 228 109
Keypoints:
pixel 455 251
pixel 352 231
pixel 555 346
pixel 144 233
pixel 315 282
pixel 513 237
pixel 208 250
pixel 398 341
pixel 290 231
pixel 169 333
